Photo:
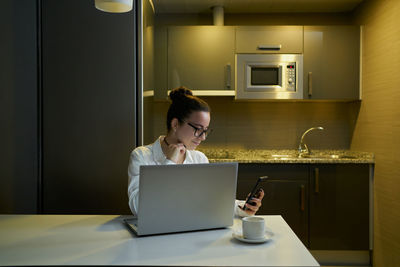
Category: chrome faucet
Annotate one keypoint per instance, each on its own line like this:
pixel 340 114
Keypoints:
pixel 303 148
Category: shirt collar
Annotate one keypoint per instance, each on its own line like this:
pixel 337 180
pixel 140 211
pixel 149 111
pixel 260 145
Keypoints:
pixel 158 154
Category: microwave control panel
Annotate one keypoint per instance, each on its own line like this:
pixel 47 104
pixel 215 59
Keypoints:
pixel 291 76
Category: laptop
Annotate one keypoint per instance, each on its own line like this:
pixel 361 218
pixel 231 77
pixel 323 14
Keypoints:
pixel 185 197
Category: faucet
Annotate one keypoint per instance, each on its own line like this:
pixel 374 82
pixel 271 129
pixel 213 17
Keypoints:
pixel 303 148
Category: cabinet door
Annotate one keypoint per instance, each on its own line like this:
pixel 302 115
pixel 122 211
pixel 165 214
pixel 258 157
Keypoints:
pixel 331 62
pixel 289 199
pixel 266 39
pixel 286 192
pixel 339 206
pixel 201 57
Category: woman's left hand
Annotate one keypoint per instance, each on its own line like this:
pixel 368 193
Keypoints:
pixel 252 209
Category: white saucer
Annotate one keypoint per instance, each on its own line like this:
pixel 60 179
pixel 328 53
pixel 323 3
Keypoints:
pixel 240 237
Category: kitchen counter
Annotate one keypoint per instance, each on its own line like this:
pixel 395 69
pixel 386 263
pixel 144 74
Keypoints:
pixel 288 156
pixel 105 240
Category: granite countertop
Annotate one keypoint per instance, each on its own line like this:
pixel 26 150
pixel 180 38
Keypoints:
pixel 288 156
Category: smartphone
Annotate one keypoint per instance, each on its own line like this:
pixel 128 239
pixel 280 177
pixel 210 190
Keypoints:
pixel 254 192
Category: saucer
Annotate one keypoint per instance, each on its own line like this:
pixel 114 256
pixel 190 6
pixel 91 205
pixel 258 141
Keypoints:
pixel 240 237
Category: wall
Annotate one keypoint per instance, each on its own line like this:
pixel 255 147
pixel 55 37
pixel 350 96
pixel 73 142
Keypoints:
pixel 264 125
pixel 377 128
pixel 271 125
pixel 148 46
pixel 149 69
pixel 18 107
pixel 88 107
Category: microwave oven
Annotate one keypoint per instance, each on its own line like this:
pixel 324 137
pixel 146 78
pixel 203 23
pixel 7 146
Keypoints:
pixel 269 76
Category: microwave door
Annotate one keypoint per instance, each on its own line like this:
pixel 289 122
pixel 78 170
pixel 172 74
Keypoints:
pixel 264 77
pixel 269 76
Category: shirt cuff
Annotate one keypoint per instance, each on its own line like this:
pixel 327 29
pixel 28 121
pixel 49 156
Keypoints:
pixel 238 211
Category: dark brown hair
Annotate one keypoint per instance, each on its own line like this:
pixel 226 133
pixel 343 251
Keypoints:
pixel 183 104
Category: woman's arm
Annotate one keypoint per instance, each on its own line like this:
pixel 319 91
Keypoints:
pixel 133 180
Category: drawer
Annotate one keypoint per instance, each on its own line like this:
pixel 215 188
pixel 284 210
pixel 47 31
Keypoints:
pixel 257 39
pixel 252 171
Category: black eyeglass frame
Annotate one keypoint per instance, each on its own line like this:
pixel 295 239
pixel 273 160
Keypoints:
pixel 196 130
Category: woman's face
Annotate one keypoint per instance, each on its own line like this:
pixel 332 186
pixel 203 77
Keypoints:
pixel 186 130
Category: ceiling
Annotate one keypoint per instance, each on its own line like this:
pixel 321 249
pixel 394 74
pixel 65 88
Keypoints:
pixel 255 6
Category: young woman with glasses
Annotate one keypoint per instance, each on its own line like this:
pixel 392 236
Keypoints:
pixel 188 121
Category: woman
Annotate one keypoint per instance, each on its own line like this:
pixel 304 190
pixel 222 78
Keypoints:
pixel 188 119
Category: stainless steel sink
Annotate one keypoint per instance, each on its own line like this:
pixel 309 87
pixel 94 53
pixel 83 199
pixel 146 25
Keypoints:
pixel 330 156
pixel 312 156
pixel 283 156
pixel 289 156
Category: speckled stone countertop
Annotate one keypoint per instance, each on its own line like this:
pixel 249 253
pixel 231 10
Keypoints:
pixel 288 156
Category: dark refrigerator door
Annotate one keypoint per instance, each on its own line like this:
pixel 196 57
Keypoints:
pixel 89 117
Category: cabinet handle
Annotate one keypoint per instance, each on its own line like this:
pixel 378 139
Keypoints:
pixel 310 84
pixel 303 196
pixel 269 47
pixel 228 76
pixel 316 171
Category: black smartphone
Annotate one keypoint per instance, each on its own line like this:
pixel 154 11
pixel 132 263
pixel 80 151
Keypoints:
pixel 254 192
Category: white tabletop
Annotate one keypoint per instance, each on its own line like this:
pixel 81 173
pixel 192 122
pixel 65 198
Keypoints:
pixel 105 240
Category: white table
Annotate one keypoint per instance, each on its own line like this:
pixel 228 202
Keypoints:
pixel 105 240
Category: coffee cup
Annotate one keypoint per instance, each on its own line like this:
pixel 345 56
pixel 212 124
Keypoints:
pixel 253 227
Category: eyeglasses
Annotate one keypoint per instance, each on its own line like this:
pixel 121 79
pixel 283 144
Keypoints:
pixel 199 131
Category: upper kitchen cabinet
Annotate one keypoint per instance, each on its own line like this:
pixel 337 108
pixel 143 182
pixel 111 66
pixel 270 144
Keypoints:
pixel 201 57
pixel 269 39
pixel 331 62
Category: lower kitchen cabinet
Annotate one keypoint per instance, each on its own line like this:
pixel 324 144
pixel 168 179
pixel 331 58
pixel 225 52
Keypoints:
pixel 339 206
pixel 326 205
pixel 286 192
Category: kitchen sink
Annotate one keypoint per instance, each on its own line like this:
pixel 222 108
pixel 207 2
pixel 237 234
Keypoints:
pixel 330 156
pixel 312 156
pixel 226 155
pixel 283 156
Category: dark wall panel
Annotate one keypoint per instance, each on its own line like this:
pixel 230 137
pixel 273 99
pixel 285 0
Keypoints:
pixel 88 107
pixel 18 107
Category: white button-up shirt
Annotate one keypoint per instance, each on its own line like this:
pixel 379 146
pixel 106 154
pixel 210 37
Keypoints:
pixel 153 155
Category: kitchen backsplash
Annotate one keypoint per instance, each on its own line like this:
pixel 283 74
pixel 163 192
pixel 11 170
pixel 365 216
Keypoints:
pixel 266 125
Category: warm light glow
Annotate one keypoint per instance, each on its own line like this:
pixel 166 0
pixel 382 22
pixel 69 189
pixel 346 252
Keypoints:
pixel 152 6
pixel 114 6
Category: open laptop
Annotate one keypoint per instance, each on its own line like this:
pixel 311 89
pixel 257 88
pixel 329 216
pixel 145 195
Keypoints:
pixel 185 197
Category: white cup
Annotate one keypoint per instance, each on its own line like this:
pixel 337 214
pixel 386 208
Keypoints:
pixel 253 227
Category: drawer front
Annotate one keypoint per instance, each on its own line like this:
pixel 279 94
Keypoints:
pixel 252 171
pixel 265 39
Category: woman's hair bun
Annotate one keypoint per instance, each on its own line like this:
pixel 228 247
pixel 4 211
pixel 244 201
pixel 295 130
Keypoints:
pixel 183 104
pixel 180 93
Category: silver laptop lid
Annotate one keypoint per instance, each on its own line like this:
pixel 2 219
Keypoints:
pixel 186 197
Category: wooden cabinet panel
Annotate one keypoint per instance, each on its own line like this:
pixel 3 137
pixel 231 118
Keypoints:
pixel 326 205
pixel 289 199
pixel 339 206
pixel 201 57
pixel 331 62
pixel 252 171
pixel 286 192
pixel 251 39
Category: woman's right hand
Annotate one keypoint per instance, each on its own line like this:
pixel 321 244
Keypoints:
pixel 175 152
